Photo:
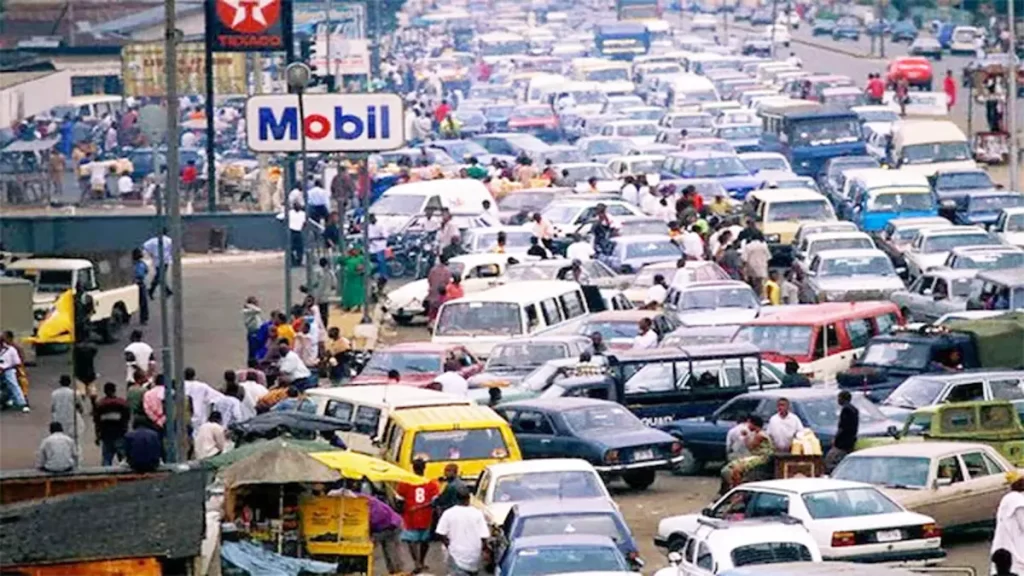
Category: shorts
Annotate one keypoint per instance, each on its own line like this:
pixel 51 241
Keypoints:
pixel 415 536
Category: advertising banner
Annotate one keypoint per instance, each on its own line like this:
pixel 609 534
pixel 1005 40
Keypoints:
pixel 248 25
pixel 143 66
pixel 329 122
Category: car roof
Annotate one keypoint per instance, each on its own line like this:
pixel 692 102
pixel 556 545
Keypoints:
pixel 556 540
pixel 850 253
pixel 813 314
pixel 837 235
pixel 642 238
pixel 805 485
pixel 930 449
pixel 49 264
pixel 928 221
pixel 753 155
pixel 987 248
pixel 514 291
pixel 399 395
pixel 541 465
pixel 819 569
pixel 703 154
pixel 420 346
pixel 621 315
pixel 710 284
pixel 943 230
pixel 559 404
pixel 566 506
pixel 791 195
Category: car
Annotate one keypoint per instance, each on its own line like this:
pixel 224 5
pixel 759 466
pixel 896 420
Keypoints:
pixel 417 363
pixel 779 34
pixel 985 258
pixel 830 179
pixel 1009 226
pixel 713 302
pixel 550 518
pixel 761 17
pixel 899 234
pixel 604 148
pixel 620 327
pixel 647 165
pixel 982 208
pixel 849 520
pixel 932 246
pixel 703 22
pixel 561 154
pixel 720 545
pixel 692 271
pixel 934 294
pixel 640 132
pixel 706 144
pixel 724 167
pixel 509 362
pixel 591 272
pixel 515 207
pixel 852 275
pixel 808 229
pixel 602 432
pixel 700 335
pixel 956 483
pixel 627 254
pixel 695 123
pixel 574 214
pixel 970 385
pixel 951 187
pixel 704 438
pixel 925 46
pixel 758 161
pixel 823 27
pixel 742 137
pixel 847 27
pixel 462 150
pixel 645 113
pixel 538 120
pixel 483 240
pixel 916 69
pixel 812 244
pixel 562 554
pixel 503 485
pixel 478 272
pixel 641 226
pixel 903 31
pixel 756 46
pixel 578 174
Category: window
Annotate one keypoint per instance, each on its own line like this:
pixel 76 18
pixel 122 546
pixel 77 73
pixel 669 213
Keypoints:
pixel 367 419
pixel 339 410
pixel 1010 389
pixel 830 342
pixel 885 323
pixel 573 305
pixel 966 392
pixel 552 315
pixel 705 560
pixel 770 553
pixel 533 423
pixel 737 410
pixel 768 505
pixel 979 465
pixel 531 317
pixel 958 420
pixel 949 469
pixel 997 418
pixel 395 446
pixel 859 331
pixel 691 551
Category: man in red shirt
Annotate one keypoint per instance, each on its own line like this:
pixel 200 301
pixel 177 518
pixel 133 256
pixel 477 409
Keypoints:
pixel 418 515
pixel 189 175
pixel 949 87
pixel 442 111
pixel 875 88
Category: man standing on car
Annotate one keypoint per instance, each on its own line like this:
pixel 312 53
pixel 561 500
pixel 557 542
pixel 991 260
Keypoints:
pixel 846 433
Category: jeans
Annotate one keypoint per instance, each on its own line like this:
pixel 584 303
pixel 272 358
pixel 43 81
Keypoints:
pixel 111 448
pixel 159 279
pixel 10 377
pixel 380 262
pixel 306 383
pixel 297 248
pixel 143 301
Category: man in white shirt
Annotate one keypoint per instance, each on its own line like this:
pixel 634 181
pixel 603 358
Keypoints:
pixel 693 244
pixel 230 404
pixel 296 197
pixel 542 230
pixel 656 293
pixel 293 370
pixel 202 396
pixel 580 250
pixel 296 223
pixel 452 383
pixel 161 260
pixel 252 389
pixel 647 338
pixel 98 178
pixel 319 202
pixel 464 532
pixel 783 426
pixel 210 438
pixel 125 185
pixel 378 246
pixel 140 355
pixel 736 441
pixel 188 139
pixel 629 191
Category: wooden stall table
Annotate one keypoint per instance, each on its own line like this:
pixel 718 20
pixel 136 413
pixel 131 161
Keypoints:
pixel 799 466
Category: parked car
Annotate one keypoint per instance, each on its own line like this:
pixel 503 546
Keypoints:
pixel 562 554
pixel 934 294
pixel 418 363
pixel 932 246
pixel 925 46
pixel 509 362
pixel 713 302
pixel 903 31
pixel 926 390
pixel 479 272
pixel 899 234
pixel 985 258
pixel 850 276
pixel 620 327
pixel 627 254
pixel 506 484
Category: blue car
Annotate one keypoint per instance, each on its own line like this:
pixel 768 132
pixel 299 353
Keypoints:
pixel 704 438
pixel 584 516
pixel 982 208
pixel 903 31
pixel 628 254
pixel 848 28
pixel 561 554
pixel 604 433
pixel 874 209
pixel 743 137
pixel 724 167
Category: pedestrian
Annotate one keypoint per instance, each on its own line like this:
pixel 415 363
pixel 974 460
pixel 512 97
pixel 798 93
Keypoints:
pixel 291 368
pixel 1002 563
pixel 295 400
pixel 325 287
pixel 296 224
pixel 629 190
pixel 692 244
pixel 319 202
pixel 793 378
pixel 783 426
pixel 142 447
pixel 111 418
pixel 10 361
pixel 789 288
pixel 656 293
pixel 447 231
pixel 385 527
pixel 454 289
pixel 66 409
pixel 493 396
pixel 846 434
pixel 756 256
pixel 949 87
pixel 464 532
pixel 252 389
pixel 418 514
pixel 252 319
pixel 597 345
pixel 736 441
pixel 210 438
pixel 153 404
pixel 58 452
pixel 542 230
pixel 772 290
pixel 137 388
pixel 646 337
pixel 139 272
pixel 438 279
pixel 201 396
pixel 875 89
pixel 761 450
pixel 378 246
pixel 229 404
pixel 137 354
pixel 453 484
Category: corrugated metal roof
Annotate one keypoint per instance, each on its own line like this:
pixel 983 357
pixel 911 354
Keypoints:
pixel 9 79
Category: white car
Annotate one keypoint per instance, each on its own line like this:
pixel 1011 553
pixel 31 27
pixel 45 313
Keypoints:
pixel 704 22
pixel 758 161
pixel 850 521
pixel 479 272
pixel 932 104
pixel 569 214
pixel 790 18
pixel 1010 226
pixel 713 303
pixel 932 246
pixel 482 240
pixel 721 545
pixel 502 486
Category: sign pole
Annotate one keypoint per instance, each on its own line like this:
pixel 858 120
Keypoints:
pixel 211 134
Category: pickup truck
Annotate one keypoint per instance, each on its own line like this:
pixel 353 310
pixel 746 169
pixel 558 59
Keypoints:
pixel 112 307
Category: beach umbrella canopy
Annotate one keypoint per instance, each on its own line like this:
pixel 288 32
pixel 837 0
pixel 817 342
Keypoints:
pixel 245 450
pixel 356 466
pixel 277 463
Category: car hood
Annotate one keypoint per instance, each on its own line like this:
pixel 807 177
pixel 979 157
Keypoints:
pixel 930 260
pixel 391 223
pixel 503 378
pixel 717 316
pixel 617 87
pixel 959 193
pixel 860 283
pixel 1013 238
pixel 738 183
pixel 628 439
pixel 930 169
pixel 411 294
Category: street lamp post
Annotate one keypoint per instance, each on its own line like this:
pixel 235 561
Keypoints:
pixel 297 76
pixel 1011 99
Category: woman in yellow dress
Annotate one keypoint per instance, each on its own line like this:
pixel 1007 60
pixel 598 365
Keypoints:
pixel 761 450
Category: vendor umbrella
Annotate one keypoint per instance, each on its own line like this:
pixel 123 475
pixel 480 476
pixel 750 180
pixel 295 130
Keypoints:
pixel 277 463
pixel 356 466
pixel 244 451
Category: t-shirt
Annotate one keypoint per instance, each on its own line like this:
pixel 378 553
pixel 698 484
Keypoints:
pixel 846 433
pixel 645 341
pixel 772 292
pixel 655 294
pixel 418 513
pixel 782 430
pixel 465 528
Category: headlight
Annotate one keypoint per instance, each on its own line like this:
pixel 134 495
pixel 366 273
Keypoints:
pixel 773 238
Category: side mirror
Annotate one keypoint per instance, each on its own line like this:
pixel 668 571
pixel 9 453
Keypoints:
pixel 706 512
pixel 675 558
pixel 941 482
pixel 893 431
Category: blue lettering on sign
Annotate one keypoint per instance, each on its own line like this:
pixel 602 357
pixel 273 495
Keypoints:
pixel 374 123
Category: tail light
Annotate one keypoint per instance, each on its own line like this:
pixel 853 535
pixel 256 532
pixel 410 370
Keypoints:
pixel 611 457
pixel 842 539
pixel 677 447
pixel 931 531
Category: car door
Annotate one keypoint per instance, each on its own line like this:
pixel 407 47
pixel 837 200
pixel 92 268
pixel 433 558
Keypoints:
pixel 534 433
pixel 939 499
pixel 920 293
pixel 983 488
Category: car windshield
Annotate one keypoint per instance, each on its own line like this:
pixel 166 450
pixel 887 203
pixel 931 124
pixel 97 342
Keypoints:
pixel 770 553
pixel 525 200
pixel 913 392
pixel 591 269
pixel 603 147
pixel 906 355
pixel 491 92
pixel 738 132
pixel 994 203
pixel 533 112
pixel 836 167
pixel 936 152
pixel 885 471
pixel 856 266
pixel 823 413
pixel 611 330
pixel 799 210
pixel 608 75
pixel 638 129
pixel 718 298
pixel 450 445
pixel 946 242
pixel 642 227
pixel 524 355
pixel 584 173
pixel 766 163
pixel 694 121
pixel 405 362
pixel 714 167
pixel 547 485
pixel 613 419
pixel 838 244
pixel 514 240
pixel 398 204
pixel 652 249
pixel 780 339
pixel 653 114
pixel 990 261
pixel 901 202
pixel 878 115
pixel 964 181
pixel 498 110
pixel 504 48
pixel 561 213
pixel 645 166
pixel 479 318
pixel 566 559
pixel 47 281
pixel 563 156
pixel 824 132
pixel 710 146
pixel 845 99
pixel 596 524
pixel 1015 223
pixel 464 148
pixel 848 503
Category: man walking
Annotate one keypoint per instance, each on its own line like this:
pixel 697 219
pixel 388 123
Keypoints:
pixel 418 515
pixel 325 287
pixel 137 355
pixel 464 532
pixel 1009 534
pixel 111 417
pixel 10 360
pixel 139 271
pixel 846 432
pixel 378 246
pixel 161 260
pixel 66 409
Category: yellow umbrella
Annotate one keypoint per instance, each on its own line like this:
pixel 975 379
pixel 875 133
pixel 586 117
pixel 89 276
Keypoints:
pixel 356 466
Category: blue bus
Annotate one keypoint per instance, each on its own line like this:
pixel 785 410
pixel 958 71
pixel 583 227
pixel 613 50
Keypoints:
pixel 808 135
pixel 623 40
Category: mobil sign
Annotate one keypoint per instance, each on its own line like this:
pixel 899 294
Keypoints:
pixel 330 122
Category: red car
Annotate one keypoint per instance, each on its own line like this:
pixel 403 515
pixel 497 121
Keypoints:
pixel 916 69
pixel 418 363
pixel 539 120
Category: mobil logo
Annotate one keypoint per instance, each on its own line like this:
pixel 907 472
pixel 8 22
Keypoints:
pixel 329 122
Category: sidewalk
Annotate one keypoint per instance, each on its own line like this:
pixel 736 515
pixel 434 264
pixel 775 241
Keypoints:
pixel 230 257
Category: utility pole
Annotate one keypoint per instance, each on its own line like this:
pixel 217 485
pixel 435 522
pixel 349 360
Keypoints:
pixel 298 75
pixel 327 41
pixel 1011 100
pixel 775 19
pixel 176 425
pixel 881 28
pixel 70 15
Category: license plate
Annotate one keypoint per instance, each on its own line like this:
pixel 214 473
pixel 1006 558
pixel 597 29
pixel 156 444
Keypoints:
pixel 643 455
pixel 889 535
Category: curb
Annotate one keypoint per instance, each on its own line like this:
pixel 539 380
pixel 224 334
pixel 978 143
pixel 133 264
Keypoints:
pixel 239 258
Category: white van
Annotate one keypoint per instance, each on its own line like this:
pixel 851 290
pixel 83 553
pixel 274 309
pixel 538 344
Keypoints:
pixel 482 320
pixel 587 96
pixel 688 90
pixel 398 204
pixel 89 108
pixel 369 408
pixel 927 146
pixel 535 91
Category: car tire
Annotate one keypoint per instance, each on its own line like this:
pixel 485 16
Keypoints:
pixel 640 479
pixel 689 465
pixel 401 319
pixel 110 329
pixel 676 543
pixel 396 268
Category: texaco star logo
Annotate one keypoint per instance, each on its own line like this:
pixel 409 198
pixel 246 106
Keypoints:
pixel 248 16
